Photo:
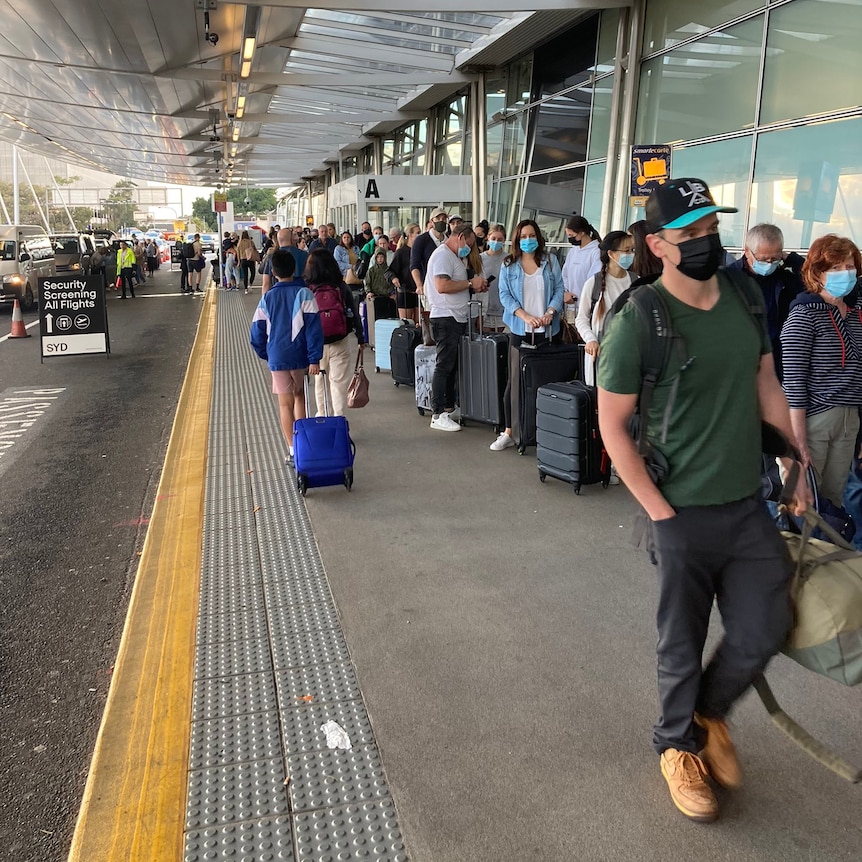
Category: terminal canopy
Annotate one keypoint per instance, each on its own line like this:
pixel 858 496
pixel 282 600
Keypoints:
pixel 178 91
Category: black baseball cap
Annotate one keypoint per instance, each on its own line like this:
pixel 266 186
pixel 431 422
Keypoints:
pixel 680 202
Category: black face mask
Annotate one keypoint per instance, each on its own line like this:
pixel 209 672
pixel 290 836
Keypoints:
pixel 574 240
pixel 700 258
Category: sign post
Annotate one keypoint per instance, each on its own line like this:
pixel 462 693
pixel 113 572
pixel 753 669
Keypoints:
pixel 73 316
pixel 650 169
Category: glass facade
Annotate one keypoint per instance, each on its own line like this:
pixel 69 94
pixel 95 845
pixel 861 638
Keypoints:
pixel 761 99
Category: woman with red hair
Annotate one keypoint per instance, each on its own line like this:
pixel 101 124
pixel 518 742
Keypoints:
pixel 821 343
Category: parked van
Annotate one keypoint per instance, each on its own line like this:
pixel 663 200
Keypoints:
pixel 72 252
pixel 26 254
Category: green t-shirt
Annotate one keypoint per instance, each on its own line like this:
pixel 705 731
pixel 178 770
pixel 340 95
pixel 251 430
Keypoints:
pixel 711 435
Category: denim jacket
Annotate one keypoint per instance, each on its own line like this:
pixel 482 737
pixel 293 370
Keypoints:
pixel 512 293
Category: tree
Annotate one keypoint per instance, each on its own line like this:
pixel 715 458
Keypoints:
pixel 120 205
pixel 202 213
pixel 261 201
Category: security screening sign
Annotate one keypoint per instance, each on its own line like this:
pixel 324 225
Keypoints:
pixel 650 169
pixel 73 317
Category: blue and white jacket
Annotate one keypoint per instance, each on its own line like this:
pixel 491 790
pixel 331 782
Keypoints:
pixel 822 355
pixel 512 293
pixel 285 329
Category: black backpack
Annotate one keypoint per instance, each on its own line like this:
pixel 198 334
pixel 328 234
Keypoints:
pixel 659 342
pixel 188 250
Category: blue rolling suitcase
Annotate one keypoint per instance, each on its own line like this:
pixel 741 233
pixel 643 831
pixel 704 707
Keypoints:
pixel 383 330
pixel 322 450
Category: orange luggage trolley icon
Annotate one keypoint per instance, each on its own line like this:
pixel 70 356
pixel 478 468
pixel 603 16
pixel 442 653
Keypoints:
pixel 653 169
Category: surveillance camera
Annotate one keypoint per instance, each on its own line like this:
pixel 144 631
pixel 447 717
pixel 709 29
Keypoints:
pixel 247 201
pixel 215 139
pixel 230 165
pixel 212 38
pixel 231 116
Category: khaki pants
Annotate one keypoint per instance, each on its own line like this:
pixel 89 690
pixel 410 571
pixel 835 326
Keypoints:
pixel 831 441
pixel 337 362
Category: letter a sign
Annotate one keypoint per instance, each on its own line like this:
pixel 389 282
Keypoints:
pixel 371 190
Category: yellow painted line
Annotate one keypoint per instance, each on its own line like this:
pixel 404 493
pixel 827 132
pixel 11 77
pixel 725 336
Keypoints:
pixel 135 799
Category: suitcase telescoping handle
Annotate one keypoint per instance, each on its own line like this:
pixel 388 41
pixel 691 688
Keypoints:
pixel 326 408
pixel 480 333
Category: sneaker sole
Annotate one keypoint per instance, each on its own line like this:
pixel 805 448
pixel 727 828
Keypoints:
pixel 691 815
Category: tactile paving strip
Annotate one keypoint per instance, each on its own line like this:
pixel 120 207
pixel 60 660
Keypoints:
pixel 272 665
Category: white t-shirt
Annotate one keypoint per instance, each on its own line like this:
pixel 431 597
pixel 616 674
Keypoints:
pixel 444 261
pixel 590 326
pixel 534 298
pixel 581 262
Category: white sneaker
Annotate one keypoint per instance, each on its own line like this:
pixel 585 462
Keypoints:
pixel 614 479
pixel 455 414
pixel 504 441
pixel 444 423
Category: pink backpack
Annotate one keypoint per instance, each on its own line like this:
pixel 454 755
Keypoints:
pixel 333 316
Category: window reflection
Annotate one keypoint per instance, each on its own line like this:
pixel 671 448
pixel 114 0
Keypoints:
pixel 702 89
pixel 808 181
pixel 811 42
pixel 562 127
pixel 669 22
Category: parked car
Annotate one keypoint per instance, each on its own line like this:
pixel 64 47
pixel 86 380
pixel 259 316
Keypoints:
pixel 72 252
pixel 26 253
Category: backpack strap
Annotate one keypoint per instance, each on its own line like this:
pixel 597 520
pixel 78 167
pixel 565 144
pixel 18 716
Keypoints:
pixel 655 349
pixel 751 296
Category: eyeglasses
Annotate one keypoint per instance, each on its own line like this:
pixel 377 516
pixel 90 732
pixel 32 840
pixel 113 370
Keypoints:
pixel 766 259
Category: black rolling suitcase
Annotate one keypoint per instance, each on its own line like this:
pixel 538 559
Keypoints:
pixel 531 368
pixel 402 347
pixel 483 369
pixel 568 445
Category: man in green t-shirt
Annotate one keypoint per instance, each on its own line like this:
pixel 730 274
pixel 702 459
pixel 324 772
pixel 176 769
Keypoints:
pixel 711 535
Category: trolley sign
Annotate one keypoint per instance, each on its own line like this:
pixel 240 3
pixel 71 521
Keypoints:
pixel 650 169
pixel 73 316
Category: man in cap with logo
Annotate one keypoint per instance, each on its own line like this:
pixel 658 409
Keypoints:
pixel 710 533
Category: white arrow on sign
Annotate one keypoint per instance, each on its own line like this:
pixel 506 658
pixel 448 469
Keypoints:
pixel 49 319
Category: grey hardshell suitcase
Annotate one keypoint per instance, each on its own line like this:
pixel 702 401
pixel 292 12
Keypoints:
pixel 568 445
pixel 426 362
pixel 483 370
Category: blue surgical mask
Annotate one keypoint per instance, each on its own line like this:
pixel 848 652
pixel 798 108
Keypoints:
pixel 464 251
pixel 495 245
pixel 840 283
pixel 764 268
pixel 528 245
pixel 626 259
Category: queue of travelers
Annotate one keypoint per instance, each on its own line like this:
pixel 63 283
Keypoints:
pixel 703 519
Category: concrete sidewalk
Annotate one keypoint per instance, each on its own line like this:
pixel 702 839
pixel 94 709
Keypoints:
pixel 502 631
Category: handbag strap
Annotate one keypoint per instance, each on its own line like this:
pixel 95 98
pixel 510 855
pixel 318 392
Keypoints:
pixel 360 361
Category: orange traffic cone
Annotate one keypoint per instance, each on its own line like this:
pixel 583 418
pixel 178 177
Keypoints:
pixel 18 328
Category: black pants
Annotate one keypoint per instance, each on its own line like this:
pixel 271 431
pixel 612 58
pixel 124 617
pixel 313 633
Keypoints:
pixel 126 278
pixel 248 272
pixel 538 339
pixel 447 333
pixel 184 276
pixel 731 553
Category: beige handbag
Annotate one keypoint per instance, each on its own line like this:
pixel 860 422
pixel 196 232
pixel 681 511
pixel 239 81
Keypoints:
pixel 357 391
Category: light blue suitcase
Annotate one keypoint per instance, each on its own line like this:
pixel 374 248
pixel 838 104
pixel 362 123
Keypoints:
pixel 383 330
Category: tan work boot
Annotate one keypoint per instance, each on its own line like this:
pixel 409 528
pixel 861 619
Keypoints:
pixel 686 778
pixel 719 753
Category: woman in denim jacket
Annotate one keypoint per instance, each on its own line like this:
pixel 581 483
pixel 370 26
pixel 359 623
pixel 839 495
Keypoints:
pixel 531 292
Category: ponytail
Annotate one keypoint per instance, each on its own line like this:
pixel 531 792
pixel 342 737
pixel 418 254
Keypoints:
pixel 579 224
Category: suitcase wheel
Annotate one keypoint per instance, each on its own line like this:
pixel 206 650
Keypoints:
pixel 376 370
pixel 348 478
pixel 521 449
pixel 542 476
pixel 302 484
pixel 421 411
pixel 396 382
pixel 577 488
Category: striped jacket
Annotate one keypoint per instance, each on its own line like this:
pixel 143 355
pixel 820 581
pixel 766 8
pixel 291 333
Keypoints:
pixel 822 355
pixel 285 329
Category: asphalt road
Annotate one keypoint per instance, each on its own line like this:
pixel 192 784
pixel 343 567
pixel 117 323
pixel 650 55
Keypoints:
pixel 76 490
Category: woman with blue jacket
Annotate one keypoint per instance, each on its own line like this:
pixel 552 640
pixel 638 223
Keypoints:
pixel 531 292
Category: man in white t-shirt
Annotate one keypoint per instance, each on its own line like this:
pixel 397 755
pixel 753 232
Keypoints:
pixel 447 288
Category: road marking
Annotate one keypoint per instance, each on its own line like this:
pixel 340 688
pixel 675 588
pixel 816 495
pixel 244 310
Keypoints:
pixel 28 326
pixel 134 802
pixel 21 409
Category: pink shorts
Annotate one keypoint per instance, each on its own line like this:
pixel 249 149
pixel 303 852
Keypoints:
pixel 288 381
